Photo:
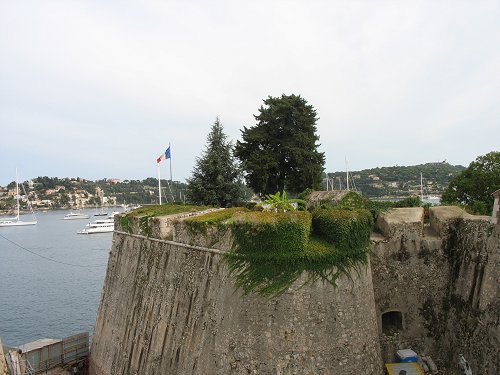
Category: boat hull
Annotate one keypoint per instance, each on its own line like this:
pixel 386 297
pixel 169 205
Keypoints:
pixel 75 217
pixel 8 223
pixel 99 226
pixel 96 230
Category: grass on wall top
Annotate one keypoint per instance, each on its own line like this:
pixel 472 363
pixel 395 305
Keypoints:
pixel 164 210
pixel 144 213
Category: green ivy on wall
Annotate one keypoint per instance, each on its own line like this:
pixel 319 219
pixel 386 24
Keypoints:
pixel 271 250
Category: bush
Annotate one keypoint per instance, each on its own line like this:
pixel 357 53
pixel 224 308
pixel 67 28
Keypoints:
pixel 267 234
pixel 200 223
pixel 408 202
pixel 348 230
pixel 352 201
pixel 273 249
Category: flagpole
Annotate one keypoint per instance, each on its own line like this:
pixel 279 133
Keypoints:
pixel 170 163
pixel 159 182
pixel 171 185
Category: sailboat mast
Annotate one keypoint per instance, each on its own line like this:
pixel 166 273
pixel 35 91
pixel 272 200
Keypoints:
pixel 17 194
pixel 347 173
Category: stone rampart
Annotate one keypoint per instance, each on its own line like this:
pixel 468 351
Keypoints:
pixel 171 308
pixel 410 271
pixel 445 283
pixel 402 222
pixel 472 312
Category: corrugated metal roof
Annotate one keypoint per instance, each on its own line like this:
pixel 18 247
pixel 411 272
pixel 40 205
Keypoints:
pixel 410 368
pixel 38 344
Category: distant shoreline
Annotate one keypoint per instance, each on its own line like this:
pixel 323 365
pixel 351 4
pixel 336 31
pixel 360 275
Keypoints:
pixel 44 209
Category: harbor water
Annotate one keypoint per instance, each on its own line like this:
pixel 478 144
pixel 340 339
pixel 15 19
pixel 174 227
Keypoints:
pixel 51 278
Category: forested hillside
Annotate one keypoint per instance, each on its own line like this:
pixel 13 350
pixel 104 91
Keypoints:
pixel 398 181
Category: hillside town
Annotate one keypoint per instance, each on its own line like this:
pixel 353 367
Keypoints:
pixel 54 193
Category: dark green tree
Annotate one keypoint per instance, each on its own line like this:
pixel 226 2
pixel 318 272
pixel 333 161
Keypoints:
pixel 473 187
pixel 280 152
pixel 216 178
pixel 63 201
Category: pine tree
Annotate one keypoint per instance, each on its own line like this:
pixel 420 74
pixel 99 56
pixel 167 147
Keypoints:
pixel 280 152
pixel 216 177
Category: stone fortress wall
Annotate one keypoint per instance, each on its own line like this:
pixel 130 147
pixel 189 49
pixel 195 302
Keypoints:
pixel 444 279
pixel 170 307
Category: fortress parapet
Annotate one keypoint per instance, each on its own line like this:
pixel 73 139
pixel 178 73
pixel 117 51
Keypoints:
pixel 402 221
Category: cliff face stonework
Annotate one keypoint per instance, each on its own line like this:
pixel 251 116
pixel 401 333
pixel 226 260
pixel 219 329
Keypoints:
pixel 172 308
pixel 168 308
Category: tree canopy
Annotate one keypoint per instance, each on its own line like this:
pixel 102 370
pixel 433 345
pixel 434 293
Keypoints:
pixel 280 152
pixel 473 187
pixel 216 178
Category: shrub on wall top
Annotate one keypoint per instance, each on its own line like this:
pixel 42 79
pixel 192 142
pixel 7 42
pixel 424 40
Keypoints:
pixel 267 234
pixel 348 230
pixel 272 249
pixel 200 223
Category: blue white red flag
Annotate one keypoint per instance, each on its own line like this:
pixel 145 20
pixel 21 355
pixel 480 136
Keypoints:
pixel 165 155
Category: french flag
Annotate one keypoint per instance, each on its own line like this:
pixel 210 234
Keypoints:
pixel 165 155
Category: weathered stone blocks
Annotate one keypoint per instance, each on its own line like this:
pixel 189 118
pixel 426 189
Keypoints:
pixel 398 221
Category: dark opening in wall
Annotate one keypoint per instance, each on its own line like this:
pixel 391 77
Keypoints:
pixel 392 322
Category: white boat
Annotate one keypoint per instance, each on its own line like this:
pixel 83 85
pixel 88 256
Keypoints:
pixel 15 221
pixel 431 199
pixel 99 226
pixel 75 215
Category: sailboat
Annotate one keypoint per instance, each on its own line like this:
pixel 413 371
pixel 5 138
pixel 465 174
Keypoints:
pixel 432 199
pixel 102 213
pixel 15 221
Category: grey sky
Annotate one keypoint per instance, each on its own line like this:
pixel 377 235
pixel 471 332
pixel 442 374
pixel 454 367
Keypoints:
pixel 98 89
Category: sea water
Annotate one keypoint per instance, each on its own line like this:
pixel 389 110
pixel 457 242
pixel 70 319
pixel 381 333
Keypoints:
pixel 50 278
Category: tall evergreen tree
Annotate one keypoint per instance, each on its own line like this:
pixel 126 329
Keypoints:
pixel 280 152
pixel 216 178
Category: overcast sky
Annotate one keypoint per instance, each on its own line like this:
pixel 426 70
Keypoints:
pixel 99 89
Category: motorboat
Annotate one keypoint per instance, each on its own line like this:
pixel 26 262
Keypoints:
pixel 75 215
pixel 99 226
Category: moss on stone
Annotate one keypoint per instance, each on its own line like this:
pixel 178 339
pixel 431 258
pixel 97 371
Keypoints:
pixel 165 209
